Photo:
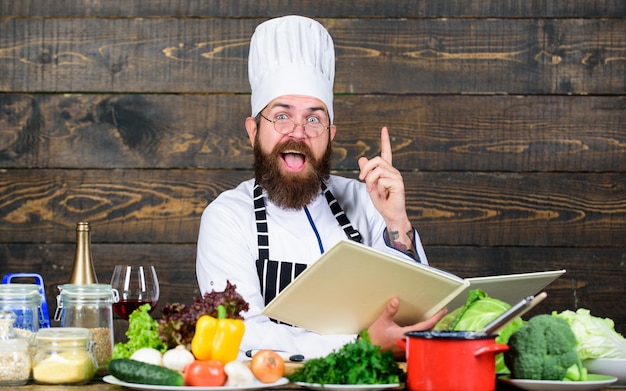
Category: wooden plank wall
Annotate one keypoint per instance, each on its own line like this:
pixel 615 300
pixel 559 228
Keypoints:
pixel 507 118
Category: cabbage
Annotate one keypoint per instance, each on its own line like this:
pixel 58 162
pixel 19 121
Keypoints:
pixel 596 337
pixel 479 310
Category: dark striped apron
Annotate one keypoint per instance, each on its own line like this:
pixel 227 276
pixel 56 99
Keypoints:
pixel 274 276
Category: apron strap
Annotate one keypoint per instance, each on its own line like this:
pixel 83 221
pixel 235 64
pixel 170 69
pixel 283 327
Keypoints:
pixel 340 215
pixel 261 223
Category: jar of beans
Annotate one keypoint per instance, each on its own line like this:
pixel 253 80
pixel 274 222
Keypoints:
pixel 15 363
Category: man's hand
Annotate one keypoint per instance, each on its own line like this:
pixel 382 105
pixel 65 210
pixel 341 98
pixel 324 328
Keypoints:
pixel 384 332
pixel 386 189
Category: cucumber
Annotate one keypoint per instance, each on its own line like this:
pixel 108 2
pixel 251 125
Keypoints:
pixel 133 371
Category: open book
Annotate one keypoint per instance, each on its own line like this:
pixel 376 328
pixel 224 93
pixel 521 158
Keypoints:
pixel 348 287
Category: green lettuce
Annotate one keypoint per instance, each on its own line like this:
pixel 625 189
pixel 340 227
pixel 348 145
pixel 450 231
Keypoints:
pixel 596 337
pixel 479 310
pixel 141 333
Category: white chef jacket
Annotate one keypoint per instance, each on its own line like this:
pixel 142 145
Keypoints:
pixel 227 250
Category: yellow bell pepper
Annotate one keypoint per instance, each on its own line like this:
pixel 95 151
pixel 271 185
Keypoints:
pixel 217 338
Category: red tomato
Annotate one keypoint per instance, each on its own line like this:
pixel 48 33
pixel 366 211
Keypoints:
pixel 205 373
pixel 268 366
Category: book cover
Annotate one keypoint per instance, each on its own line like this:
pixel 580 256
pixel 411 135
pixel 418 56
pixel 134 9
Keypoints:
pixel 348 287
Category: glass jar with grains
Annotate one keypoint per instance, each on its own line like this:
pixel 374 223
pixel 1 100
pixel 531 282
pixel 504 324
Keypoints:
pixel 63 356
pixel 90 306
pixel 24 301
pixel 14 353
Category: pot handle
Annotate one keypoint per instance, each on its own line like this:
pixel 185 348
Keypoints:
pixel 491 349
pixel 402 343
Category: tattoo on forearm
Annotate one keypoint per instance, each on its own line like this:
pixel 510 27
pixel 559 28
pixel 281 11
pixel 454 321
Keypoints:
pixel 393 237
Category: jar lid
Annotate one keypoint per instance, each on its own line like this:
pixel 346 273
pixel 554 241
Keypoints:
pixel 61 334
pixel 20 291
pixel 92 291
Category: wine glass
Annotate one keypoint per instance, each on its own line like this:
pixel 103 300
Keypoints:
pixel 136 285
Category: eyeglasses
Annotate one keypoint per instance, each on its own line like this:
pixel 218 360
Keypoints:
pixel 286 126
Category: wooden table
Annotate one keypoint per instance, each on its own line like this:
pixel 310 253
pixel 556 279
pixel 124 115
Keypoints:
pixel 98 385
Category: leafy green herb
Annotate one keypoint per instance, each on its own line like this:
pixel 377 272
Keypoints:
pixel 358 362
pixel 142 333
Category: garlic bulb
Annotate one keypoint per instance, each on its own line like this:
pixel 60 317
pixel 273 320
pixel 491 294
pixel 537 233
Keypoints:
pixel 239 374
pixel 177 358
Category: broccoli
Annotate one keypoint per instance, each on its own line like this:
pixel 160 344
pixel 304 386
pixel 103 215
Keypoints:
pixel 544 349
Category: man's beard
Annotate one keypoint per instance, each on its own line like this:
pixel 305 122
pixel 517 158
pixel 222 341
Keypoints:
pixel 290 190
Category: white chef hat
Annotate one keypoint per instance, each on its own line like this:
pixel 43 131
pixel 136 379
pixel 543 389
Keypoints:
pixel 291 55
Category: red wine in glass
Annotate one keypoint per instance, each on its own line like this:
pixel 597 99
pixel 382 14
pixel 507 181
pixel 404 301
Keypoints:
pixel 136 285
pixel 126 307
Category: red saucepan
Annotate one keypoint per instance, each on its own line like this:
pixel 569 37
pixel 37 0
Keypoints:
pixel 458 360
pixel 450 360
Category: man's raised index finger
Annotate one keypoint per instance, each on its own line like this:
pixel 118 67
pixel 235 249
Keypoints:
pixel 385 145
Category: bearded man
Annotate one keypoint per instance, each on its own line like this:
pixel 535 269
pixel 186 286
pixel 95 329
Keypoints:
pixel 266 231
